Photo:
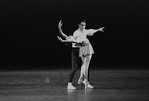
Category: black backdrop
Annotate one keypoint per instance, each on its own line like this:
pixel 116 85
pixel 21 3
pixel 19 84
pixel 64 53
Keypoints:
pixel 29 30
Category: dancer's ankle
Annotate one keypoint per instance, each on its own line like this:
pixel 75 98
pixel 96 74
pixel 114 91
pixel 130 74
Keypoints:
pixel 69 83
pixel 85 80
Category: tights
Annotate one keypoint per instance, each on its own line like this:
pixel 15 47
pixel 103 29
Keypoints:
pixel 76 61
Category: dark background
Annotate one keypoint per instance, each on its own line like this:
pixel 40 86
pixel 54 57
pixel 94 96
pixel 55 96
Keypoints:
pixel 29 30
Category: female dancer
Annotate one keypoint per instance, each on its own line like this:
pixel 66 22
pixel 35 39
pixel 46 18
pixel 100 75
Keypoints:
pixel 85 51
pixel 74 54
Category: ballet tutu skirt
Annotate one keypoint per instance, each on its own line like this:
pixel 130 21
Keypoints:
pixel 86 50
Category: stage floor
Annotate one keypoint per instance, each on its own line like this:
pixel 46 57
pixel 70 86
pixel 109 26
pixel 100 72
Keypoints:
pixel 50 85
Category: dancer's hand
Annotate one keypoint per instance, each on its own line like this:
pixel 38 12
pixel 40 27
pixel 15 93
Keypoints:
pixel 60 24
pixel 82 43
pixel 59 38
pixel 101 29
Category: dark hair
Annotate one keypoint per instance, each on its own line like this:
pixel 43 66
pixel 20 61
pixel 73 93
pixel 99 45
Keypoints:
pixel 82 21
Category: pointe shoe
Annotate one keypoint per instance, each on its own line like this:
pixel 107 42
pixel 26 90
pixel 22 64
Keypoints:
pixel 80 80
pixel 71 87
pixel 86 85
pixel 89 85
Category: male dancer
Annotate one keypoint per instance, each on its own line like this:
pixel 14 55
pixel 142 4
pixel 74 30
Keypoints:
pixel 75 50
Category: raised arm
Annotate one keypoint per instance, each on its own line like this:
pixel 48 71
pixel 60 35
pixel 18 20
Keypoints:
pixel 60 29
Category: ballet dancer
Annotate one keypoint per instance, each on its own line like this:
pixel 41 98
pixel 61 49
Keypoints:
pixel 74 54
pixel 85 52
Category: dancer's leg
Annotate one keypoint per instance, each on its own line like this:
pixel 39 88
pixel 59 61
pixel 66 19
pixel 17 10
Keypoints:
pixel 75 59
pixel 85 71
pixel 84 68
pixel 82 71
pixel 86 80
pixel 87 67
pixel 88 63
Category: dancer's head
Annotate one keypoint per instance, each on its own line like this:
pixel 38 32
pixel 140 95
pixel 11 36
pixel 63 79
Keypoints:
pixel 82 24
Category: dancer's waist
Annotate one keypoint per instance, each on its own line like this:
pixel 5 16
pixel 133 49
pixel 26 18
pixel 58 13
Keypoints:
pixel 78 45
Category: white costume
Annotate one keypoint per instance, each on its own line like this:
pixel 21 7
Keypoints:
pixel 87 49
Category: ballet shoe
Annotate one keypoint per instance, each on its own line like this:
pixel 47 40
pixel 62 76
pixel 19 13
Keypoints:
pixel 88 85
pixel 71 87
pixel 80 80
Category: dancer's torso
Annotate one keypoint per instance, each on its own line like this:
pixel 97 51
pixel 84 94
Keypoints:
pixel 82 35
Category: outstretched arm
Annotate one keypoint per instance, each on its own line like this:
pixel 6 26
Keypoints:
pixel 92 31
pixel 60 29
pixel 69 39
pixel 101 29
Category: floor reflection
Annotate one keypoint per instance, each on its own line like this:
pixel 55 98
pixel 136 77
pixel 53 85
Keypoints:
pixel 79 95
